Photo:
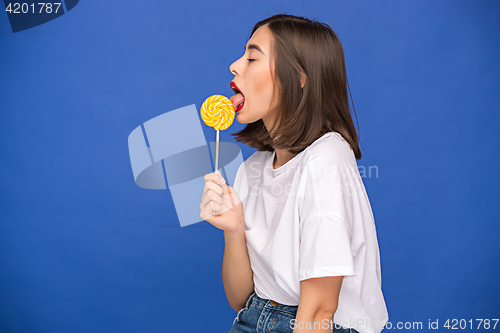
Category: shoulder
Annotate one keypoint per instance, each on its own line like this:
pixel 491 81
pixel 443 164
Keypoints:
pixel 331 149
pixel 257 156
pixel 255 161
pixel 250 169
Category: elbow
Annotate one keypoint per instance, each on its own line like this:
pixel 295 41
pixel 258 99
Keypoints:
pixel 236 307
pixel 329 310
pixel 326 313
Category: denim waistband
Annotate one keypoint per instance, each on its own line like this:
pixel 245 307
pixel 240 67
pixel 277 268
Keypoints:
pixel 263 302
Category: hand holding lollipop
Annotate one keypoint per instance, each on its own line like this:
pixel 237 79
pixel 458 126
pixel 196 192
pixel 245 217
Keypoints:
pixel 218 112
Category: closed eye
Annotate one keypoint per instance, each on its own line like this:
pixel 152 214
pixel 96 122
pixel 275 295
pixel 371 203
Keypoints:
pixel 250 60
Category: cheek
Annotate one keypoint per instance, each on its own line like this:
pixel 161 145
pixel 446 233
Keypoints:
pixel 263 88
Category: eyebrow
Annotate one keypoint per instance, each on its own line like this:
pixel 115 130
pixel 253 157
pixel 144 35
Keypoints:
pixel 255 47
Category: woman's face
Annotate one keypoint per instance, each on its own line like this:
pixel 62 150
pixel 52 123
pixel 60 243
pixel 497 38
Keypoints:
pixel 253 78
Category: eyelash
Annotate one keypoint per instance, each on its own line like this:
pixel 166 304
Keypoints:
pixel 250 60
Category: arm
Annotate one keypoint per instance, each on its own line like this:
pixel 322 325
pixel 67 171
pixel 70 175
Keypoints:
pixel 318 303
pixel 236 272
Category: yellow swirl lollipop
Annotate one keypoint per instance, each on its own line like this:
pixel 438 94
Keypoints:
pixel 217 111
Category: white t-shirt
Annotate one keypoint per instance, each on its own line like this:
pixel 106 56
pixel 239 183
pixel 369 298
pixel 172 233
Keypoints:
pixel 311 218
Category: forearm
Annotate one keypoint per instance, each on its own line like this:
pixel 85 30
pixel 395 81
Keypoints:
pixel 321 322
pixel 236 272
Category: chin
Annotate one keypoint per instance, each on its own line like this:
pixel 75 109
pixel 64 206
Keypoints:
pixel 240 118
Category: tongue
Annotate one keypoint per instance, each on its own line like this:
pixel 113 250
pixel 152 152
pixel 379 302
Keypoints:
pixel 237 100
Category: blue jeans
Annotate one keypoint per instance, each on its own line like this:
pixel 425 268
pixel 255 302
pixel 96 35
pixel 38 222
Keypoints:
pixel 259 316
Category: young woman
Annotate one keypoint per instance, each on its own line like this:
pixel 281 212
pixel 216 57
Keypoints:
pixel 301 251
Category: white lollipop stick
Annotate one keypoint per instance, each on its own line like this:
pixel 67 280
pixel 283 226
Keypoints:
pixel 217 153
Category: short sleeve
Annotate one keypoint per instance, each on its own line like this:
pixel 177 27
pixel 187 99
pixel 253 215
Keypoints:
pixel 333 186
pixel 325 247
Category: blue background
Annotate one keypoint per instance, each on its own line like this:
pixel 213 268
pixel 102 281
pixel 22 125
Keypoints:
pixel 84 249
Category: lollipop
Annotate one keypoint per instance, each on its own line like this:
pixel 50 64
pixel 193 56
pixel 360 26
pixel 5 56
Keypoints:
pixel 217 111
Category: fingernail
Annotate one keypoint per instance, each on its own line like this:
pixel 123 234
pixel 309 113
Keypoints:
pixel 222 181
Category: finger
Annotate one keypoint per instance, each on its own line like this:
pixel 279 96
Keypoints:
pixel 217 179
pixel 209 185
pixel 233 197
pixel 207 215
pixel 207 212
pixel 226 199
pixel 214 197
pixel 213 207
pixel 225 189
pixel 210 196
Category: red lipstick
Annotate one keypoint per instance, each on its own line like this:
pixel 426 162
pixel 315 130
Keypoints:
pixel 238 99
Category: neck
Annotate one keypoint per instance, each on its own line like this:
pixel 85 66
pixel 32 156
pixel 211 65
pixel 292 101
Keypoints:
pixel 281 157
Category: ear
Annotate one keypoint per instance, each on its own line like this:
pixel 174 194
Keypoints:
pixel 302 79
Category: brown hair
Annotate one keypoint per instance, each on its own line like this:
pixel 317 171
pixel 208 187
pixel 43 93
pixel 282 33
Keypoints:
pixel 304 114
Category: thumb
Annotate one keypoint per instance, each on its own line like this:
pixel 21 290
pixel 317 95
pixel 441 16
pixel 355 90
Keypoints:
pixel 235 199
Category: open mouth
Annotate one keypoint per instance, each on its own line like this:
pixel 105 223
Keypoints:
pixel 238 99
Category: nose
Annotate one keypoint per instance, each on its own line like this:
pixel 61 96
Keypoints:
pixel 234 69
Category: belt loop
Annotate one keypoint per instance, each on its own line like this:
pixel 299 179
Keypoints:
pixel 249 299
